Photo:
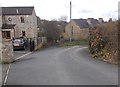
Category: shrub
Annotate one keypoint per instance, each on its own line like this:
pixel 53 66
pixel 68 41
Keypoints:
pixel 103 41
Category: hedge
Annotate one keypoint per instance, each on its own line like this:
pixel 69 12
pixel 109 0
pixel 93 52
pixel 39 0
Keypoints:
pixel 103 42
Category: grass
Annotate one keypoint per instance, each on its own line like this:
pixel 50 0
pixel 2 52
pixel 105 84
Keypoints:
pixel 74 43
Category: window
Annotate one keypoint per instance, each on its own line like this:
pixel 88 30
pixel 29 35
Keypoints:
pixel 9 19
pixel 23 33
pixel 22 20
pixel 6 34
pixel 72 31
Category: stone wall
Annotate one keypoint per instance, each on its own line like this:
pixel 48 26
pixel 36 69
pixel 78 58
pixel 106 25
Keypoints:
pixel 7 48
pixel 0 38
pixel 7 51
pixel 35 29
pixel 0 45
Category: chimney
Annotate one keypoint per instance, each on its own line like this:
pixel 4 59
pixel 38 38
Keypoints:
pixel 89 20
pixel 110 20
pixel 17 11
pixel 100 20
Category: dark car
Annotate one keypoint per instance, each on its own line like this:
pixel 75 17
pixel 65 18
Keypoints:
pixel 19 44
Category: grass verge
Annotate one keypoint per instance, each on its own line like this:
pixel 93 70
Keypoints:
pixel 74 43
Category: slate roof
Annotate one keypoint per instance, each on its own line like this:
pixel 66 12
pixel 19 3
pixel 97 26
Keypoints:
pixel 94 22
pixel 17 10
pixel 82 23
pixel 8 26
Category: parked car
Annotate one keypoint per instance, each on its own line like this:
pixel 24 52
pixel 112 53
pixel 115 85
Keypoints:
pixel 19 44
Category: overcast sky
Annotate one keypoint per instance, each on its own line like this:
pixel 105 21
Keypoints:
pixel 53 9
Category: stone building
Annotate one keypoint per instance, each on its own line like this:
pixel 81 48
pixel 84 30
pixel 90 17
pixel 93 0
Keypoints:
pixel 24 20
pixel 0 54
pixel 16 22
pixel 0 34
pixel 79 28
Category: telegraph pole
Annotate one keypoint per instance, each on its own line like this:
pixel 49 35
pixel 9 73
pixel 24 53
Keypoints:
pixel 119 10
pixel 70 20
pixel 70 10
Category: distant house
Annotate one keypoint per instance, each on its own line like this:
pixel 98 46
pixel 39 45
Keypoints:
pixel 79 28
pixel 22 19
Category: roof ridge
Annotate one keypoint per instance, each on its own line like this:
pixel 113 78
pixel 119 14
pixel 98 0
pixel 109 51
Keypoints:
pixel 17 6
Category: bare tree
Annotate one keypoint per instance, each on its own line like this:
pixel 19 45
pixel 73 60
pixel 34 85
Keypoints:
pixel 63 18
pixel 52 29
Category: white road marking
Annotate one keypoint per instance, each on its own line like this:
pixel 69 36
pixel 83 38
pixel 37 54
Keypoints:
pixel 6 76
pixel 23 56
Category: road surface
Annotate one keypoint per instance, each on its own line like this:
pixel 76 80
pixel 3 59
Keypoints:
pixel 62 66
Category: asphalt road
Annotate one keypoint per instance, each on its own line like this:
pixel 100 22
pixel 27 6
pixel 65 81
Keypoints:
pixel 18 53
pixel 62 66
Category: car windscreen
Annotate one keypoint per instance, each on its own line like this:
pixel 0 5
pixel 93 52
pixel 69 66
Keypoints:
pixel 17 41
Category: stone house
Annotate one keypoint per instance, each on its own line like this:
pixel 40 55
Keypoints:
pixel 0 35
pixel 79 28
pixel 0 48
pixel 14 23
pixel 24 20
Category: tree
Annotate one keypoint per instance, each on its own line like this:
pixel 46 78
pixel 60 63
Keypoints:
pixel 63 18
pixel 51 29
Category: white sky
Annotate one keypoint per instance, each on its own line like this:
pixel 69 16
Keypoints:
pixel 53 9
